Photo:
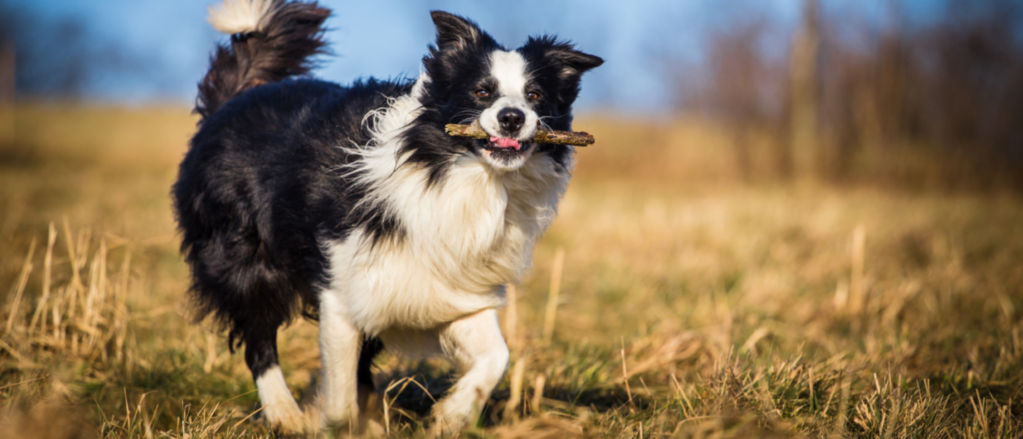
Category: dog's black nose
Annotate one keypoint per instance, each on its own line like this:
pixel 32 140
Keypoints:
pixel 511 119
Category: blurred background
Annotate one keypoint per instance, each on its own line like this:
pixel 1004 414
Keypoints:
pixel 800 217
pixel 915 92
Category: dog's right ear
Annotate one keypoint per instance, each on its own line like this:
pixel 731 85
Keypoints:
pixel 454 32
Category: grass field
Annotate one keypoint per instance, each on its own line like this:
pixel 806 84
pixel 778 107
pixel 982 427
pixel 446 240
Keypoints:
pixel 688 304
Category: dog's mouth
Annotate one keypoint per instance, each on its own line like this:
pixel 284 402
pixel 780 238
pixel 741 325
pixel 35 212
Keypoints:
pixel 506 145
pixel 505 152
pixel 504 142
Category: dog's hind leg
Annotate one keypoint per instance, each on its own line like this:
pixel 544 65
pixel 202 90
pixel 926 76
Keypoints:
pixel 477 347
pixel 279 406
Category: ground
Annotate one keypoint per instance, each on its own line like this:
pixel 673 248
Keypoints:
pixel 670 298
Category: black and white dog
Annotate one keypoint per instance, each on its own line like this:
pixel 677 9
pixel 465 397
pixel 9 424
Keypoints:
pixel 350 203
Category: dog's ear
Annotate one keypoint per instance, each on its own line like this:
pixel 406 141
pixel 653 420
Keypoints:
pixel 573 63
pixel 454 32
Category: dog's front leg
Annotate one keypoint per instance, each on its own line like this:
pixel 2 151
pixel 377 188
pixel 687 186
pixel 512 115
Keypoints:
pixel 477 347
pixel 340 343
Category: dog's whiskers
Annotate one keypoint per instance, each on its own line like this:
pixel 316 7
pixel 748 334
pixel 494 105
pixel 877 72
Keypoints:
pixel 544 125
pixel 466 116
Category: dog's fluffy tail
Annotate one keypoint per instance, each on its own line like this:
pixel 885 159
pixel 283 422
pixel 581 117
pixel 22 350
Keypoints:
pixel 270 41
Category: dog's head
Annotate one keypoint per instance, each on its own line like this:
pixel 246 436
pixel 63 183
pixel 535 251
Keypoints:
pixel 511 92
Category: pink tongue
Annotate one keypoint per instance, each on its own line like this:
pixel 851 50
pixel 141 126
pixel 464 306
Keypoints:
pixel 505 142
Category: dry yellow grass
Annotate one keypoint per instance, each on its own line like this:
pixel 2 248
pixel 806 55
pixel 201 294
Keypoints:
pixel 686 303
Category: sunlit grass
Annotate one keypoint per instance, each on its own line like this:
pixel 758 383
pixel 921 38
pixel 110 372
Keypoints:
pixel 691 304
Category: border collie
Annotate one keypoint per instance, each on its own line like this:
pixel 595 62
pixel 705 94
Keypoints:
pixel 351 205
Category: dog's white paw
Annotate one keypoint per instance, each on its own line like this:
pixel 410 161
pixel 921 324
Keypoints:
pixel 287 418
pixel 449 420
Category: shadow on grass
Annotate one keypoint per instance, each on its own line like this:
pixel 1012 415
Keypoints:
pixel 431 383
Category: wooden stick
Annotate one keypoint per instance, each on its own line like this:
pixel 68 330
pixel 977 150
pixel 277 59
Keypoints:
pixel 579 138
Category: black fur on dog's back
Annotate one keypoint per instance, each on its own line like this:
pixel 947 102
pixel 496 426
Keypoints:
pixel 279 49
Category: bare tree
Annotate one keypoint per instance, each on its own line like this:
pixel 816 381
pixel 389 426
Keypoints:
pixel 914 102
pixel 803 92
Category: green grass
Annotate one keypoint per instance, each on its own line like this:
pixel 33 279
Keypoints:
pixel 691 304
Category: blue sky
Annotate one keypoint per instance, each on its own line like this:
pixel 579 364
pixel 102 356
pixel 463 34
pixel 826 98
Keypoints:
pixel 640 40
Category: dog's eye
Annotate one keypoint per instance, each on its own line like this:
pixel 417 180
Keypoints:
pixel 482 93
pixel 533 96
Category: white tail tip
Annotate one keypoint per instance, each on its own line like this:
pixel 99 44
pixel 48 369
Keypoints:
pixel 240 16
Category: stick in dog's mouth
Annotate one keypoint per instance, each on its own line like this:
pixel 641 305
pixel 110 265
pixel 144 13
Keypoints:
pixel 578 138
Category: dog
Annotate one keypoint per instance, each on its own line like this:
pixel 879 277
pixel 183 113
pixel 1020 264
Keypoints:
pixel 350 204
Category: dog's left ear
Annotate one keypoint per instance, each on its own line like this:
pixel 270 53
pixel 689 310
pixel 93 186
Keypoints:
pixel 454 32
pixel 573 63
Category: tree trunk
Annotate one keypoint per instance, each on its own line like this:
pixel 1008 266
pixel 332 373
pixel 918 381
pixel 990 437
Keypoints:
pixel 804 142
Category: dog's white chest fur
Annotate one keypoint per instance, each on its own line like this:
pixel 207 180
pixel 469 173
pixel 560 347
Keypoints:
pixel 464 237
